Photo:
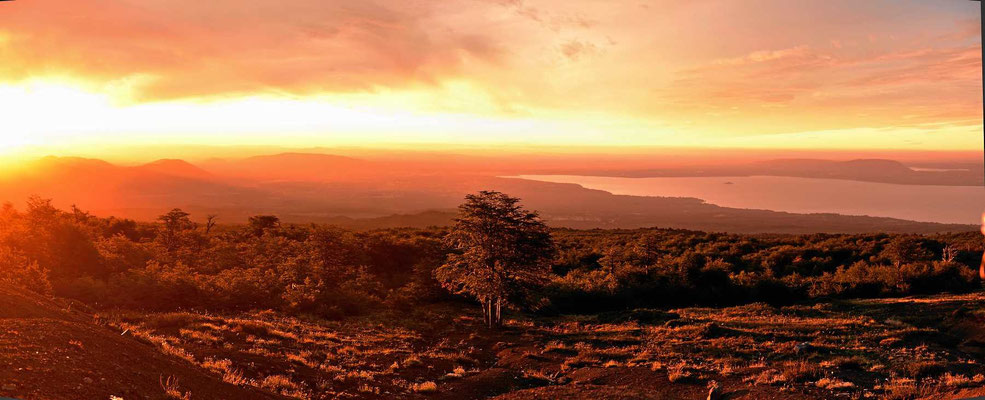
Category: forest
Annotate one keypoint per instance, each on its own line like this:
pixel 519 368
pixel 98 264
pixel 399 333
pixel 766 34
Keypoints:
pixel 330 272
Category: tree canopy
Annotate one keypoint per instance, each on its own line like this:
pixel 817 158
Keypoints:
pixel 501 251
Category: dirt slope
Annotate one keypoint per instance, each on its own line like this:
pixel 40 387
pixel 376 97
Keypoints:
pixel 49 351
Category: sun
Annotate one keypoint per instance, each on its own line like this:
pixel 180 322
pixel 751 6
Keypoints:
pixel 10 144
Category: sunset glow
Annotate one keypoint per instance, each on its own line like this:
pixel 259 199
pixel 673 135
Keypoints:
pixel 836 75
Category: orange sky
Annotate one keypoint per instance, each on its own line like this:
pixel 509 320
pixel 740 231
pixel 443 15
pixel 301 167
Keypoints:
pixel 874 74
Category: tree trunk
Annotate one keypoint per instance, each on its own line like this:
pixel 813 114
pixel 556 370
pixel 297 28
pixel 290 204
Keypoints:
pixel 485 311
pixel 492 318
pixel 499 314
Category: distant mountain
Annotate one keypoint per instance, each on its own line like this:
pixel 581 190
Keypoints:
pixel 292 167
pixel 828 167
pixel 865 170
pixel 178 168
pixel 66 166
pixel 104 188
pixel 357 193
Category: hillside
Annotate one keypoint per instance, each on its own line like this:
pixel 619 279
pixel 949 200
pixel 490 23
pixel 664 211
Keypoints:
pixel 51 350
pixel 894 348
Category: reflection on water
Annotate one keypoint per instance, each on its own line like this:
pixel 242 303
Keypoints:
pixel 951 204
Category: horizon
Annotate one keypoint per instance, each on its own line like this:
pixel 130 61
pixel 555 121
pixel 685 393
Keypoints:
pixel 123 154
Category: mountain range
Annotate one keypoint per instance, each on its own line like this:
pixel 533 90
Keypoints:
pixel 353 192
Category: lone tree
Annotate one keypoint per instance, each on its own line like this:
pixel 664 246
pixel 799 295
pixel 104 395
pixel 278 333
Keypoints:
pixel 173 223
pixel 502 251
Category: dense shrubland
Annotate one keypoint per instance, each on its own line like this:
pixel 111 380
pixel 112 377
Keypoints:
pixel 326 271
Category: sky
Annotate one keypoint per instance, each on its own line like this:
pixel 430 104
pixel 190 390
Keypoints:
pixel 759 74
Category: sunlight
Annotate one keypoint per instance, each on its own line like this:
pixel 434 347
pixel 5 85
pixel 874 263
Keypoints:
pixel 10 143
pixel 55 115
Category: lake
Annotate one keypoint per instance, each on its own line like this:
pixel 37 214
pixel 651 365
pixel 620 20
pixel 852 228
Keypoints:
pixel 950 204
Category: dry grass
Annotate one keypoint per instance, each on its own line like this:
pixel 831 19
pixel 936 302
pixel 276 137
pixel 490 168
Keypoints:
pixel 278 383
pixel 172 320
pixel 958 380
pixel 923 369
pixel 201 336
pixel 679 373
pixel 800 371
pixel 176 351
pixel 833 384
pixel 857 349
pixel 424 387
pixel 768 377
pixel 171 389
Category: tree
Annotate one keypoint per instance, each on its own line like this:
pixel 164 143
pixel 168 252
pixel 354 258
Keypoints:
pixel 174 222
pixel 905 249
pixel 210 222
pixel 262 223
pixel 501 252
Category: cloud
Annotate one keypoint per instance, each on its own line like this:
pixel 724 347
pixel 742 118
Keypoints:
pixel 576 49
pixel 809 74
pixel 710 67
pixel 553 20
pixel 239 46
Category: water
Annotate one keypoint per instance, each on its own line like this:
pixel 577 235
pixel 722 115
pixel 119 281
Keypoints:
pixel 948 204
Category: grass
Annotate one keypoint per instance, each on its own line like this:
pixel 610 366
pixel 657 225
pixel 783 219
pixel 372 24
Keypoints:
pixel 923 369
pixel 171 389
pixel 800 371
pixel 834 384
pixel 278 383
pixel 172 320
pixel 679 373
pixel 885 348
pixel 424 387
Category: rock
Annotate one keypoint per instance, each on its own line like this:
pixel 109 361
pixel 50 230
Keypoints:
pixel 7 387
pixel 801 347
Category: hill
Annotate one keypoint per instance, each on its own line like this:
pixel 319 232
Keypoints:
pixel 51 350
pixel 177 168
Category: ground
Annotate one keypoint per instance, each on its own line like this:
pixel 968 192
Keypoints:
pixel 920 347
pixel 53 350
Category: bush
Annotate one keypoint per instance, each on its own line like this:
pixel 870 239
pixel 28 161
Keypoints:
pixel 332 272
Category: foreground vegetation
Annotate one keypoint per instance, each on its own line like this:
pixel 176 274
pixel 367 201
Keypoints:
pixel 321 312
pixel 884 348
pixel 331 272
